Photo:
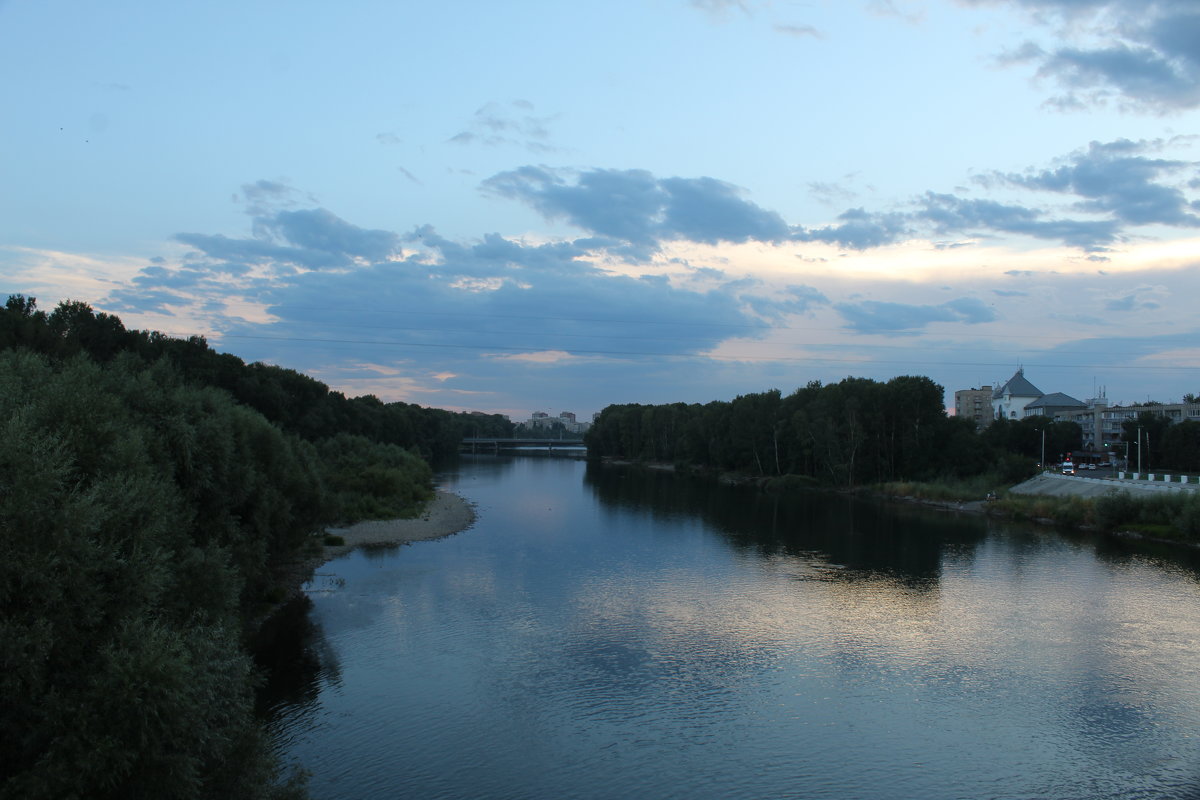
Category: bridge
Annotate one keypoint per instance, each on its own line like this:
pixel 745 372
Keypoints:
pixel 478 444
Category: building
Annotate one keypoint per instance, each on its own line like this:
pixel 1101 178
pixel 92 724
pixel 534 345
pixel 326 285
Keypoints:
pixel 1100 423
pixel 1054 404
pixel 974 404
pixel 1009 401
pixel 542 420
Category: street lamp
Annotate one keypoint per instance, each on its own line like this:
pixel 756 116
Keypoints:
pixel 1139 449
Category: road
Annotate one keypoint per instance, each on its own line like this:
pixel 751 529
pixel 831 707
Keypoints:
pixel 1049 483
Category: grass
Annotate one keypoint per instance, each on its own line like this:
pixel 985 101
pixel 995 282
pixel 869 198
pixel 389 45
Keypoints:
pixel 946 490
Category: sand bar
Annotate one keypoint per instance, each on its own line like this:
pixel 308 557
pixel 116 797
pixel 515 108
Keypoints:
pixel 446 514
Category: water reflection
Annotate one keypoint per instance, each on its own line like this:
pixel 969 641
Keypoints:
pixel 621 633
pixel 855 537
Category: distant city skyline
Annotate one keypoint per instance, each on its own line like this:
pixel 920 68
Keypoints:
pixel 538 205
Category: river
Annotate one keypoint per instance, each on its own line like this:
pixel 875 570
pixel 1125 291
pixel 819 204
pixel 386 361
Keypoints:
pixel 608 632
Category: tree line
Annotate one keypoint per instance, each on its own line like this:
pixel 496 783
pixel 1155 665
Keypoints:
pixel 295 402
pixel 860 431
pixel 149 487
pixel 854 432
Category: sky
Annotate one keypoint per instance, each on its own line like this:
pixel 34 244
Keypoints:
pixel 548 206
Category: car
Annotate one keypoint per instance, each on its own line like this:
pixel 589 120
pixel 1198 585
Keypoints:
pixel 1068 468
pixel 1089 466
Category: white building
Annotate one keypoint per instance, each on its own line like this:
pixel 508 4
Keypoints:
pixel 1010 399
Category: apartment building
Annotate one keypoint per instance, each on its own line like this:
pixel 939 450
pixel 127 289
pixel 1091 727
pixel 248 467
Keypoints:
pixel 974 404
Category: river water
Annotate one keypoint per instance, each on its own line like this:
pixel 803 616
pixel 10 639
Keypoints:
pixel 607 632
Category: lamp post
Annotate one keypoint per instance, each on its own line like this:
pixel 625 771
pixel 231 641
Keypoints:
pixel 1139 449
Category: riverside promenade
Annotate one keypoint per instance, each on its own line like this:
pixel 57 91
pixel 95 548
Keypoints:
pixel 1050 483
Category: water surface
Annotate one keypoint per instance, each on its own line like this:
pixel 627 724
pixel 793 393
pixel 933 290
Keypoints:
pixel 608 632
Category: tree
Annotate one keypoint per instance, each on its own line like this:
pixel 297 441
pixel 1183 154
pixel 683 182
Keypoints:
pixel 1144 435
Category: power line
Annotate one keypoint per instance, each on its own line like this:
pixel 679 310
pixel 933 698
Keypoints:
pixel 705 356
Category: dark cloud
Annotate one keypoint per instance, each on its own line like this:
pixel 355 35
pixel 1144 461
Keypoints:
pixel 634 206
pixel 1117 178
pixel 710 211
pixel 284 240
pixel 319 230
pixel 952 214
pixel 327 282
pixel 858 229
pixel 872 316
pixel 1114 185
pixel 794 300
pixel 1146 53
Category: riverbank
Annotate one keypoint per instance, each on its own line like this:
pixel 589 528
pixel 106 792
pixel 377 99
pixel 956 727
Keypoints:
pixel 445 515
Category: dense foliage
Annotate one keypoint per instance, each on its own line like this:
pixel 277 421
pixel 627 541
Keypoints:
pixel 138 516
pixel 295 402
pixel 148 488
pixel 848 433
pixel 1157 444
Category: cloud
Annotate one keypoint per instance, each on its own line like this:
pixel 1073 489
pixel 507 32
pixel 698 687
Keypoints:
pixel 321 231
pixel 830 193
pixel 1114 185
pixel 1136 299
pixel 859 229
pixel 871 316
pixel 793 300
pixel 284 240
pixel 497 124
pixel 1117 178
pixel 951 214
pixel 718 8
pixel 799 31
pixel 421 291
pixel 634 206
pixel 889 8
pixel 1145 53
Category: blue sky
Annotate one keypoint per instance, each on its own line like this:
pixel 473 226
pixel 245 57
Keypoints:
pixel 555 206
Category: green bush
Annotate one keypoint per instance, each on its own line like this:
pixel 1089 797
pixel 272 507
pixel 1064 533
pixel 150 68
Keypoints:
pixel 122 669
pixel 368 480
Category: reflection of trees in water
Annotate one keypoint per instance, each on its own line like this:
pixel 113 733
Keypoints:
pixel 863 538
pixel 294 657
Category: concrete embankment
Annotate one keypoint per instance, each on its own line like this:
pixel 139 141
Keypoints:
pixel 1064 485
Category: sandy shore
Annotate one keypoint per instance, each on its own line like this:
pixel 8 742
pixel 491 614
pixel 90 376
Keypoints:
pixel 446 514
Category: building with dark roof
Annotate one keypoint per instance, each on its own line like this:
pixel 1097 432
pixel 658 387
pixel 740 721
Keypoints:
pixel 1010 399
pixel 1053 404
